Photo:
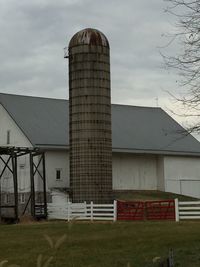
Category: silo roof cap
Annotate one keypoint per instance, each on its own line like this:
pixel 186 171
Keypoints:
pixel 89 36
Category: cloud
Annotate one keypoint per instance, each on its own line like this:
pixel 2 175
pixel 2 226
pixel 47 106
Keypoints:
pixel 34 33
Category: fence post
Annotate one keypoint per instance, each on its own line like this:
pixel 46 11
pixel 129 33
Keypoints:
pixel 176 210
pixel 115 211
pixel 68 211
pixel 85 209
pixel 91 210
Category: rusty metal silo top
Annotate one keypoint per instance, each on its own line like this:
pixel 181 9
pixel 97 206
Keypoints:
pixel 89 36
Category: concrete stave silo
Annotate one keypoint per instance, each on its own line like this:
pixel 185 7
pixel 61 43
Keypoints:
pixel 90 117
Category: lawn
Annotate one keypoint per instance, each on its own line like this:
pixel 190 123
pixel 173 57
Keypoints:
pixel 100 244
pixel 142 195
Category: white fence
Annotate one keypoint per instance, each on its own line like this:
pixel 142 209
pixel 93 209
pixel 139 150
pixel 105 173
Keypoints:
pixel 187 210
pixel 82 211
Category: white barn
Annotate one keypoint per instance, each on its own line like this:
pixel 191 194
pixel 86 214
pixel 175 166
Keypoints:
pixel 150 150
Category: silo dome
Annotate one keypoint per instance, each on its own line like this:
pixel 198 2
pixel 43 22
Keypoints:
pixel 89 36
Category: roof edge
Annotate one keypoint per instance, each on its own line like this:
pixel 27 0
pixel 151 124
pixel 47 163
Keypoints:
pixel 156 152
pixel 126 150
pixel 65 99
pixel 52 147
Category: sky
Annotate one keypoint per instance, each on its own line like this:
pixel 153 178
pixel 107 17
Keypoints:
pixel 34 33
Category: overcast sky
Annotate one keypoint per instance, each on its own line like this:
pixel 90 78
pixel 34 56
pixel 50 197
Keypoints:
pixel 34 33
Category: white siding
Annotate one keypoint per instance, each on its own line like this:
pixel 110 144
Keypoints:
pixel 160 173
pixel 130 172
pixel 23 174
pixel 134 172
pixel 182 175
pixel 57 160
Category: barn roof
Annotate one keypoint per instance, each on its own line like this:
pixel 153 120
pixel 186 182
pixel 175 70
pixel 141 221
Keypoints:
pixel 44 121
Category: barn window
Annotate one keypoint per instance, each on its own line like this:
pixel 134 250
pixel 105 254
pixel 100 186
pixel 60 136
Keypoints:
pixel 8 137
pixel 22 198
pixel 22 166
pixel 58 174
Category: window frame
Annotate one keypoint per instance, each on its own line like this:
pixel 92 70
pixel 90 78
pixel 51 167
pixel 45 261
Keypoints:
pixel 59 170
pixel 22 198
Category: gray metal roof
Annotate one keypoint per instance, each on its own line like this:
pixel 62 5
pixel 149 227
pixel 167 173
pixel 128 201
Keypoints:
pixel 134 129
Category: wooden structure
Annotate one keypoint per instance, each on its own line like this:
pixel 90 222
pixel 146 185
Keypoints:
pixel 8 159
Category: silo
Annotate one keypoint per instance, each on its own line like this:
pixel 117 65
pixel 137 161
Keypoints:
pixel 90 117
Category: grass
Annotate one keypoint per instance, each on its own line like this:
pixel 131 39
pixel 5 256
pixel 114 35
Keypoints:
pixel 101 244
pixel 148 195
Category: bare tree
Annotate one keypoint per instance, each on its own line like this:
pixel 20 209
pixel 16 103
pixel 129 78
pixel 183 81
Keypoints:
pixel 187 60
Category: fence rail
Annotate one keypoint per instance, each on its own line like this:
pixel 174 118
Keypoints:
pixel 126 210
pixel 82 211
pixel 187 210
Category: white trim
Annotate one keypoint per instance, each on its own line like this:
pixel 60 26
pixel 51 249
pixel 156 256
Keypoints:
pixel 176 210
pixel 187 210
pixel 82 211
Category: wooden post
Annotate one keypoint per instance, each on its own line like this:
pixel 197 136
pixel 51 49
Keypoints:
pixel 68 211
pixel 85 209
pixel 44 185
pixel 14 169
pixel 91 210
pixel 32 187
pixel 115 211
pixel 176 210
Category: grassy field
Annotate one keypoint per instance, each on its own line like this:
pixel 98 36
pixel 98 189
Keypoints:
pixel 148 195
pixel 100 244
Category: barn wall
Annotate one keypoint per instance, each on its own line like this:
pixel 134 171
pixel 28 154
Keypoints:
pixel 134 172
pixel 160 173
pixel 131 172
pixel 182 175
pixel 17 138
pixel 57 160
